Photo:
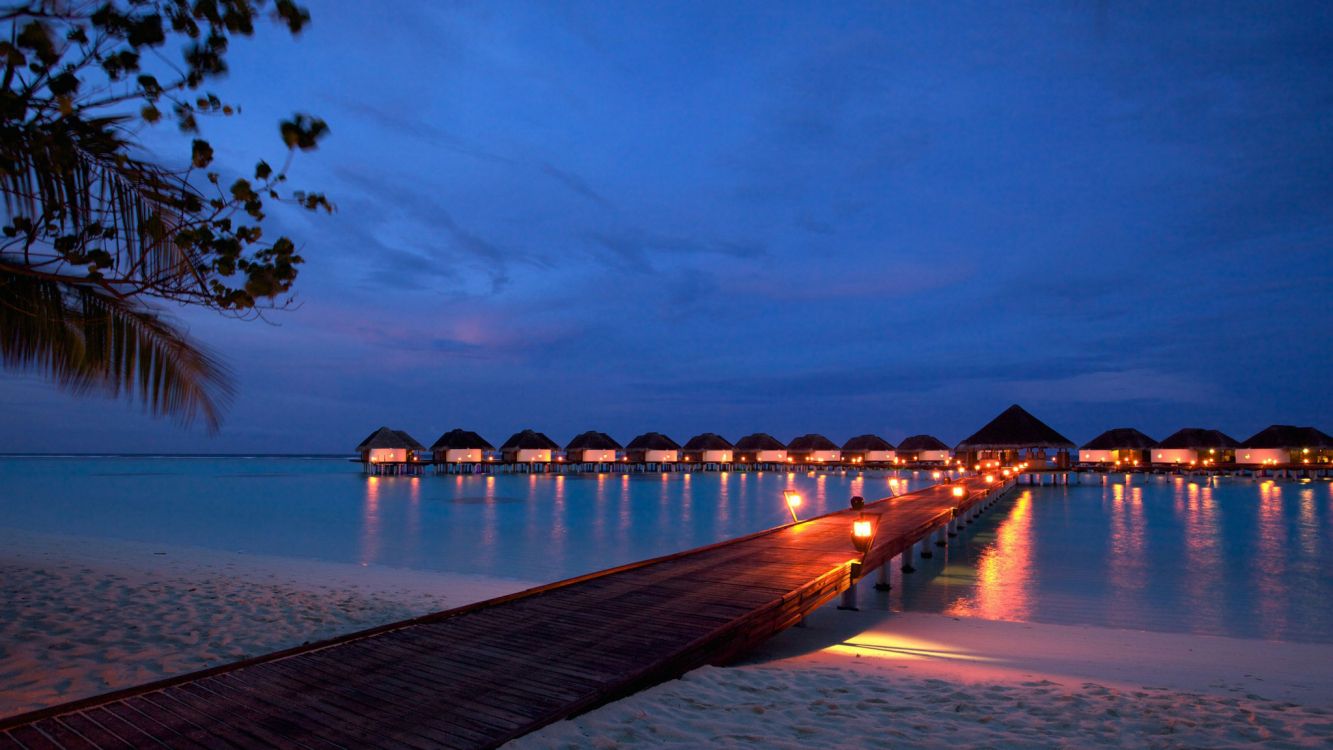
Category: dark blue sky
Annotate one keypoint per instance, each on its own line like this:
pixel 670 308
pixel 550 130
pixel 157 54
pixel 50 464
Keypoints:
pixel 888 217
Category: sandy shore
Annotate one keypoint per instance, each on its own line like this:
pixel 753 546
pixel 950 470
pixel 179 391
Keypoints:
pixel 82 616
pixel 871 679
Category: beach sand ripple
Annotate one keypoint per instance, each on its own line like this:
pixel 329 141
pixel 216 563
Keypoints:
pixel 80 617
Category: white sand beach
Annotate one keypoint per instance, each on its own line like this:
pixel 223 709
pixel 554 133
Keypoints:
pixel 81 616
pixel 872 679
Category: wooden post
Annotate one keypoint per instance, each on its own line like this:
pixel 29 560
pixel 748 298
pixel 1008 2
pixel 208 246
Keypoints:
pixel 882 579
pixel 848 601
pixel 907 560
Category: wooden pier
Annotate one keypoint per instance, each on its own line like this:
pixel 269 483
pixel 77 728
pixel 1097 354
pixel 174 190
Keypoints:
pixel 480 675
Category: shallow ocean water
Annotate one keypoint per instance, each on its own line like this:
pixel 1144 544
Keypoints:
pixel 1225 556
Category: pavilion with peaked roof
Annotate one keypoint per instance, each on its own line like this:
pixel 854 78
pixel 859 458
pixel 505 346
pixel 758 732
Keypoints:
pixel 528 447
pixel 1286 444
pixel 592 447
pixel 1122 446
pixel 459 446
pixel 760 448
pixel 922 449
pixel 653 448
pixel 709 448
pixel 1195 445
pixel 813 449
pixel 1015 435
pixel 868 449
pixel 386 445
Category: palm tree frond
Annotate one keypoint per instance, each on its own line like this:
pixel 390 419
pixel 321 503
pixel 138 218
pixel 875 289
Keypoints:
pixel 85 340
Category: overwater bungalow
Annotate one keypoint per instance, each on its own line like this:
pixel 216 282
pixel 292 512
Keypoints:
pixel 1282 444
pixel 385 446
pixel 652 448
pixel 528 447
pixel 1195 446
pixel 760 448
pixel 922 449
pixel 1122 446
pixel 709 448
pixel 460 447
pixel 1015 435
pixel 592 447
pixel 868 449
pixel 813 449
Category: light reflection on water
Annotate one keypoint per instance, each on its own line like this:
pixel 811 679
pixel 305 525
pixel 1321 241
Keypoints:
pixel 1227 557
pixel 1222 557
pixel 523 526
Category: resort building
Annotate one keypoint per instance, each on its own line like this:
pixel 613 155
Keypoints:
pixel 709 448
pixel 868 449
pixel 760 448
pixel 813 449
pixel 388 446
pixel 1282 444
pixel 1015 435
pixel 1123 446
pixel 1194 445
pixel 460 447
pixel 922 449
pixel 653 448
pixel 592 447
pixel 528 447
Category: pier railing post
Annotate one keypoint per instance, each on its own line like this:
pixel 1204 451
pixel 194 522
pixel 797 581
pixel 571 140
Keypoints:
pixel 907 560
pixel 882 577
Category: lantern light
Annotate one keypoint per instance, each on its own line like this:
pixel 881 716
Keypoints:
pixel 990 478
pixel 793 502
pixel 863 532
pixel 959 491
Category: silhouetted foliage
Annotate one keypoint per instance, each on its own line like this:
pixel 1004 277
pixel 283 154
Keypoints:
pixel 96 233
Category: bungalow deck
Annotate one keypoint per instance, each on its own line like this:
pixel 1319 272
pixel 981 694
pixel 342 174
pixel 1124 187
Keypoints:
pixel 480 675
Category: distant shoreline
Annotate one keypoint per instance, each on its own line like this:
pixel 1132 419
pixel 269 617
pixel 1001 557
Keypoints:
pixel 69 454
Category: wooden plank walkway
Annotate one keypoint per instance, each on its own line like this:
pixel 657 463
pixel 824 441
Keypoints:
pixel 481 675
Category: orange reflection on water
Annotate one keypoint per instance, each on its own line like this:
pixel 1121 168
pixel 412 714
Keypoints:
pixel 1203 557
pixel 370 522
pixel 1003 589
pixel 1128 569
pixel 1271 561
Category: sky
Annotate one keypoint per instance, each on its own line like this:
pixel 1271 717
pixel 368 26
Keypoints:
pixel 842 218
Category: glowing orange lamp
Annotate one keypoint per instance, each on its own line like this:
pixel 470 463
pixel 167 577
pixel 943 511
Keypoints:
pixel 793 502
pixel 863 532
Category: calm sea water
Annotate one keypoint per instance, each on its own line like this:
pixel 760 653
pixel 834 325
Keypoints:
pixel 1226 557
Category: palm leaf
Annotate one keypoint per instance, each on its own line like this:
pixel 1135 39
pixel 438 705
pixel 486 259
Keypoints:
pixel 86 340
pixel 73 173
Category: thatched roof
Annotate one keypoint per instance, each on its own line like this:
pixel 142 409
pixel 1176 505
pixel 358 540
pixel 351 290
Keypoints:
pixel 1014 429
pixel 385 438
pixel 919 443
pixel 811 442
pixel 1120 438
pixel 1287 436
pixel 463 440
pixel 862 443
pixel 1196 437
pixel 529 440
pixel 593 441
pixel 759 441
pixel 708 441
pixel 653 441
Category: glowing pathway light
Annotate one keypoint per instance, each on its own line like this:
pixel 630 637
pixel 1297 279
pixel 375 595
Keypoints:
pixel 990 479
pixel 863 533
pixel 793 499
pixel 959 492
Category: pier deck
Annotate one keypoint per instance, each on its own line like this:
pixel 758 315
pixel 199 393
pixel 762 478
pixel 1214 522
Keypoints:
pixel 483 674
